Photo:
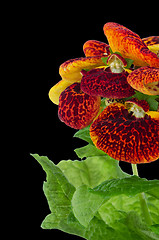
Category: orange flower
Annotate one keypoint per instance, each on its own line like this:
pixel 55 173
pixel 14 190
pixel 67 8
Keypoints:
pixel 70 71
pixel 102 73
pixel 127 133
pixel 104 83
pixel 77 109
pixel 130 45
pixel 96 48
pixel 152 43
pixel 121 40
pixel 145 80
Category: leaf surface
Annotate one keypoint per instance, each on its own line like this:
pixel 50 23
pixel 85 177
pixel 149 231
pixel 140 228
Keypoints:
pixel 129 186
pixel 58 192
pixel 85 202
pixel 92 171
pixel 95 200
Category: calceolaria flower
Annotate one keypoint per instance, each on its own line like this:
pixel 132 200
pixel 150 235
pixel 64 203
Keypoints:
pixel 76 108
pixel 127 128
pixel 127 132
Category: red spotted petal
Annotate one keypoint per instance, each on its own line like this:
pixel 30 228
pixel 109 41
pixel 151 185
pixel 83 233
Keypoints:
pixel 153 40
pixel 145 80
pixel 124 137
pixel 130 45
pixel 77 109
pixel 152 43
pixel 140 103
pixel 98 82
pixel 95 48
pixel 70 70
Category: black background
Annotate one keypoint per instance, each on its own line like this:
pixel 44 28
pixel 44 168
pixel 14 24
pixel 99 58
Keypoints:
pixel 46 36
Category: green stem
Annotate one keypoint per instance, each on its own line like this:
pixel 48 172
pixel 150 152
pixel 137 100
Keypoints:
pixel 142 198
pixel 134 168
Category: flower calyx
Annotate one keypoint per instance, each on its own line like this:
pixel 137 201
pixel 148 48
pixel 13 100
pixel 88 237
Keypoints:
pixel 116 63
pixel 138 108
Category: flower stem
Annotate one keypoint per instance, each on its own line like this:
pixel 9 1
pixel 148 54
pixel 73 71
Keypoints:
pixel 142 198
pixel 134 168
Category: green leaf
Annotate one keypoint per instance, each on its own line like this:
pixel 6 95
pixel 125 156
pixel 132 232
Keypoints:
pixel 103 105
pixel 135 224
pixel 89 151
pixel 129 62
pixel 154 192
pixel 155 228
pixel 104 59
pixel 58 192
pixel 85 205
pixel 72 226
pixel 97 229
pixel 130 227
pixel 84 135
pixel 92 171
pixel 69 225
pixel 153 202
pixel 51 221
pixel 129 186
pixel 125 223
pixel 152 100
pixel 111 51
pixel 123 203
pixel 153 205
pixel 108 211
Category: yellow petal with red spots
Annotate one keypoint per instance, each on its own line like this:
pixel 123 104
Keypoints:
pixel 145 80
pixel 154 114
pixel 149 41
pixel 152 43
pixel 70 70
pixel 130 45
pixel 57 89
pixel 125 137
pixel 96 48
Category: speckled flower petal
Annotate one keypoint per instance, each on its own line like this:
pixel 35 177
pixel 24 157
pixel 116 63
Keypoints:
pixel 57 89
pixel 98 82
pixel 70 70
pixel 125 137
pixel 145 80
pixel 96 48
pixel 152 43
pixel 153 114
pixel 77 109
pixel 139 103
pixel 152 40
pixel 130 45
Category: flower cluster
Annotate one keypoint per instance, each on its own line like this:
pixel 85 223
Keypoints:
pixel 125 128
